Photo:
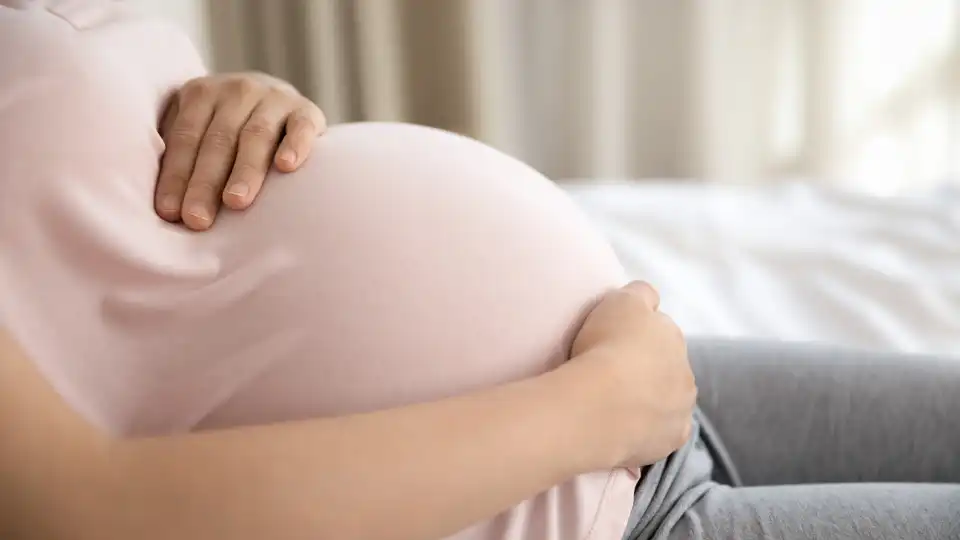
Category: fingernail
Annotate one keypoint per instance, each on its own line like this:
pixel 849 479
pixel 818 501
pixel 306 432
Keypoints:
pixel 239 189
pixel 288 156
pixel 199 212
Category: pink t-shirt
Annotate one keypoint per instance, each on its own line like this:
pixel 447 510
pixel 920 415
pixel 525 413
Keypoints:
pixel 401 264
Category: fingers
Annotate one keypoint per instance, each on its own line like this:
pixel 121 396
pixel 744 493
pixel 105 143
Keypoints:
pixel 222 135
pixel 646 292
pixel 255 152
pixel 302 127
pixel 215 160
pixel 183 129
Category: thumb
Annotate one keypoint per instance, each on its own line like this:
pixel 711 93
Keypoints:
pixel 645 291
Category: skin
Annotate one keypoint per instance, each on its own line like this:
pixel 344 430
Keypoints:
pixel 626 397
pixel 222 134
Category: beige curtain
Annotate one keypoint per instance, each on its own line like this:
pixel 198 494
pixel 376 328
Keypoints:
pixel 857 93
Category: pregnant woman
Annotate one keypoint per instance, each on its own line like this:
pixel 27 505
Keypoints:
pixel 378 347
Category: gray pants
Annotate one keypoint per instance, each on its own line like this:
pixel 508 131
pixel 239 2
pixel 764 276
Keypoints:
pixel 808 442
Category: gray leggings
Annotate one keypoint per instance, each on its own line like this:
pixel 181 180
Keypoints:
pixel 809 442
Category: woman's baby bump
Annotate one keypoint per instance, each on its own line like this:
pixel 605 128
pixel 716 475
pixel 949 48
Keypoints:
pixel 403 264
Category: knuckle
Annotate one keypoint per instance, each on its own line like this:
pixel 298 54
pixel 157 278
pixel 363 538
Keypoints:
pixel 220 138
pixel 302 121
pixel 242 86
pixel 198 89
pixel 278 93
pixel 183 135
pixel 258 128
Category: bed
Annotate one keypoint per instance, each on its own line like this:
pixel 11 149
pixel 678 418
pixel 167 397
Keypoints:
pixel 791 261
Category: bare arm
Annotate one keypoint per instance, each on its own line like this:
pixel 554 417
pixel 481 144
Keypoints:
pixel 414 473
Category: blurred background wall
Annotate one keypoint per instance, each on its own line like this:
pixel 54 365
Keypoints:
pixel 860 94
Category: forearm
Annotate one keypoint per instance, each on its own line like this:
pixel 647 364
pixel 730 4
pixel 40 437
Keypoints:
pixel 414 473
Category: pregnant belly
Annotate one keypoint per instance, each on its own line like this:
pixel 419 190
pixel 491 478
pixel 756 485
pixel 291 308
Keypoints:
pixel 405 264
pixel 402 264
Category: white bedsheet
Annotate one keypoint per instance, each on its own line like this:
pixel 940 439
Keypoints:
pixel 791 261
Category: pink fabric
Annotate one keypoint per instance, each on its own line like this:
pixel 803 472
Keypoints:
pixel 401 264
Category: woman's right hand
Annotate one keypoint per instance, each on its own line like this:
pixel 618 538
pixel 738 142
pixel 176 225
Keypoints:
pixel 633 360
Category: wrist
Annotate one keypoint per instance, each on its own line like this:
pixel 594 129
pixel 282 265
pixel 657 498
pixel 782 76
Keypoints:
pixel 578 392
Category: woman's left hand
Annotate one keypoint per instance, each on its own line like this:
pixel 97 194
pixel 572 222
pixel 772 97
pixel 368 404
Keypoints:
pixel 222 134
